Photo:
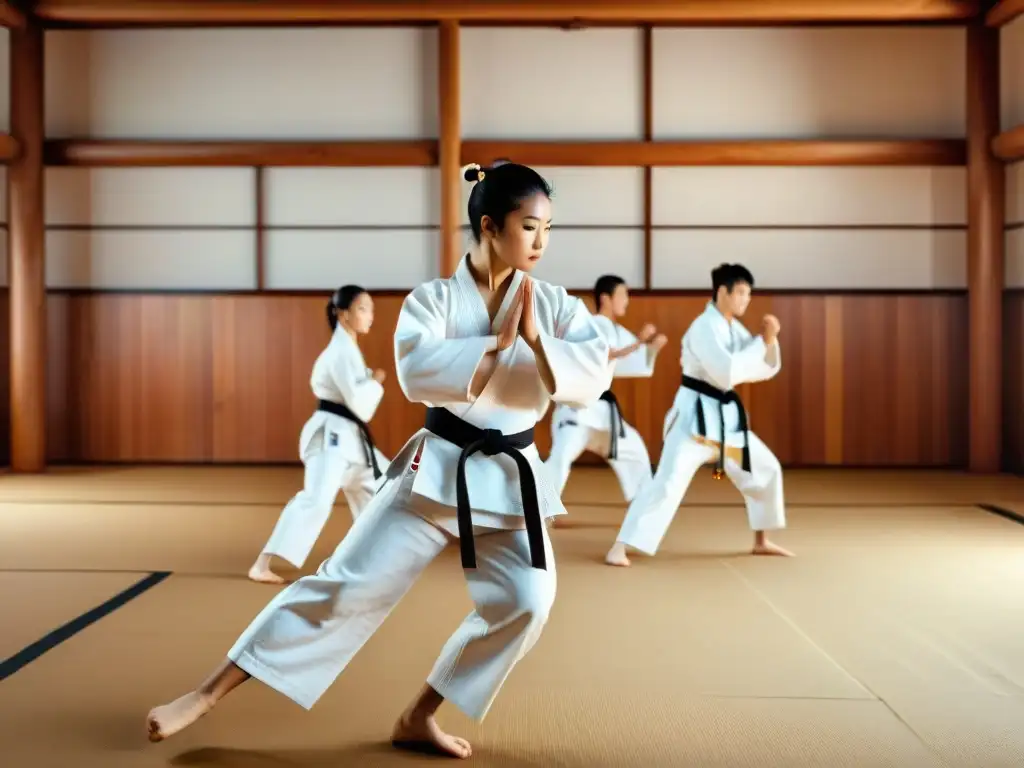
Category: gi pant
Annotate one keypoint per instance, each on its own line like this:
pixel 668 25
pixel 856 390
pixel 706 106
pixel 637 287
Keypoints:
pixel 306 636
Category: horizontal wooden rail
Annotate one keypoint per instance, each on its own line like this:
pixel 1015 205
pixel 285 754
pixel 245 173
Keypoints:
pixel 232 12
pixel 687 153
pixel 112 153
pixel 1004 12
pixel 1009 145
pixel 9 148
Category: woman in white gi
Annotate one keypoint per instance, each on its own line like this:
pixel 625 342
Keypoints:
pixel 486 350
pixel 600 427
pixel 707 422
pixel 335 445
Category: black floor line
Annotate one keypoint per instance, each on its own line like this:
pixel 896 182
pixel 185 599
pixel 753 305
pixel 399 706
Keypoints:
pixel 27 655
pixel 1003 512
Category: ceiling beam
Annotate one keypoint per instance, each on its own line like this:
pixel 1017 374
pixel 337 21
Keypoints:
pixel 283 12
pixel 1004 12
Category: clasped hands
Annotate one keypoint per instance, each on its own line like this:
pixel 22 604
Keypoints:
pixel 520 320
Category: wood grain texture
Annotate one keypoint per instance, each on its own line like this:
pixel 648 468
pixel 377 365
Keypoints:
pixel 128 153
pixel 867 380
pixel 1013 381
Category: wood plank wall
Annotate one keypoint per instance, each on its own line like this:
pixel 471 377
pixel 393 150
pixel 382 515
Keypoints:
pixel 867 380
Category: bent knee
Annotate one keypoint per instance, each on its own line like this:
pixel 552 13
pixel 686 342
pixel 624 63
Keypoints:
pixel 534 596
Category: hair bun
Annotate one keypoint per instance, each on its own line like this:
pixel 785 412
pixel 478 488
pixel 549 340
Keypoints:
pixel 473 173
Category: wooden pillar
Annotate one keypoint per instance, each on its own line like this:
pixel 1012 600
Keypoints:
pixel 26 264
pixel 985 219
pixel 449 149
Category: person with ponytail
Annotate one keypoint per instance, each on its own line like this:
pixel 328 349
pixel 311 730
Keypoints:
pixel 335 445
pixel 486 350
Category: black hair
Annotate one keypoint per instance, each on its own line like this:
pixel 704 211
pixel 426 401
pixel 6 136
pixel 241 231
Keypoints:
pixel 342 299
pixel 500 190
pixel 606 285
pixel 728 275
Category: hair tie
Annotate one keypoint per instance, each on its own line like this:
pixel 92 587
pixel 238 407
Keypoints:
pixel 480 174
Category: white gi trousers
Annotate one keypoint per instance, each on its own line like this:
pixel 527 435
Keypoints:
pixel 327 470
pixel 651 512
pixel 306 636
pixel 568 441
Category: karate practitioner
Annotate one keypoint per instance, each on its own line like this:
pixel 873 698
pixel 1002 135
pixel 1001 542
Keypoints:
pixel 718 354
pixel 335 445
pixel 486 350
pixel 600 427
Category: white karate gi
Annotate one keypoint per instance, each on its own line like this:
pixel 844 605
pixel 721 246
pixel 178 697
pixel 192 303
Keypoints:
pixel 307 635
pixel 574 430
pixel 332 449
pixel 725 355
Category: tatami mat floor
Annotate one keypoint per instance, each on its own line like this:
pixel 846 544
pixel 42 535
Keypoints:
pixel 893 639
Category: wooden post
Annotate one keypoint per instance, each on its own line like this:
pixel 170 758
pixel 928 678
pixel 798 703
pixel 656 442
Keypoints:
pixel 985 220
pixel 26 249
pixel 449 154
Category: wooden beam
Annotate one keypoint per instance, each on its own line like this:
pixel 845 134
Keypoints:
pixel 260 194
pixel 10 16
pixel 753 152
pixel 115 152
pixel 130 153
pixel 1004 12
pixel 9 148
pixel 1008 146
pixel 278 12
pixel 449 146
pixel 985 251
pixel 647 91
pixel 26 254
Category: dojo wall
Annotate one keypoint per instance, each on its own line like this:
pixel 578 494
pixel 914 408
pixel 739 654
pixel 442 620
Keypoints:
pixel 161 349
pixel 1012 114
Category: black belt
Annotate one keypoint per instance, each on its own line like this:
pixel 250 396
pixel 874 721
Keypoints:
pixel 346 413
pixel 489 442
pixel 723 398
pixel 617 426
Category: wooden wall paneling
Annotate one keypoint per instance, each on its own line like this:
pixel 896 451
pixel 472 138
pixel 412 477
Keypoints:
pixel 870 380
pixel 1013 381
pixel 282 12
pixel 5 377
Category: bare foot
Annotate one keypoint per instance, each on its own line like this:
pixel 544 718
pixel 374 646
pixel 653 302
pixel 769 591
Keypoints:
pixel 768 548
pixel 422 734
pixel 168 719
pixel 264 575
pixel 617 556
